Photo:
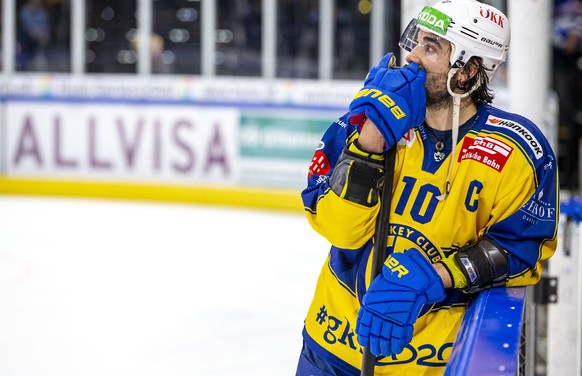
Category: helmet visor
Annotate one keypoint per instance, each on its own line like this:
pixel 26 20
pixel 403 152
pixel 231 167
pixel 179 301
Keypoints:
pixel 409 38
pixel 426 44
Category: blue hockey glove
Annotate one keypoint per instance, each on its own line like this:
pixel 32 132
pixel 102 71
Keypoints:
pixel 394 300
pixel 394 99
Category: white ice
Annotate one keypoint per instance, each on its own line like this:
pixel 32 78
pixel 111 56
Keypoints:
pixel 96 287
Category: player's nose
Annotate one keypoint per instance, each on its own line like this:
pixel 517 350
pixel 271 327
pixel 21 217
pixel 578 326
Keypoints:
pixel 413 57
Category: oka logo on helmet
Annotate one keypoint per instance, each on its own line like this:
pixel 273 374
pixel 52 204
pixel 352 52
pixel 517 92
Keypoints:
pixel 492 16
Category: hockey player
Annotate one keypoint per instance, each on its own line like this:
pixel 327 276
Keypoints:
pixel 474 199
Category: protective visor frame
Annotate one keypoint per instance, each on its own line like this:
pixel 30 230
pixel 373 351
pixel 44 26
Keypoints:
pixel 409 40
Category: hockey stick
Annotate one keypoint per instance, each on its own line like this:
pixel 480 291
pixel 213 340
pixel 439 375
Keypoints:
pixel 380 242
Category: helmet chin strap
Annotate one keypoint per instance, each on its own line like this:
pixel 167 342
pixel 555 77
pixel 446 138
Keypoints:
pixel 455 126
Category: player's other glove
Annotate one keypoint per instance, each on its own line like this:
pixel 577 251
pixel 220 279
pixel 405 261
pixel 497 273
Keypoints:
pixel 394 300
pixel 394 99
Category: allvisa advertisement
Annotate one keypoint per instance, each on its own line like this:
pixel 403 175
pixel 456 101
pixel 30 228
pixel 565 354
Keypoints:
pixel 147 142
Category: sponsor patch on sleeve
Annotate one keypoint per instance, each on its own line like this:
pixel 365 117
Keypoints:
pixel 524 133
pixel 486 150
pixel 319 164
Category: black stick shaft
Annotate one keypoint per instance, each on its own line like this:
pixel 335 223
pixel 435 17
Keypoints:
pixel 380 242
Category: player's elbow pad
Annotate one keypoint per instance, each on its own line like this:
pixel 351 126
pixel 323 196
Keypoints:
pixel 484 265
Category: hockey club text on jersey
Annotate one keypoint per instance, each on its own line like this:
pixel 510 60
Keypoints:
pixel 417 240
pixel 521 131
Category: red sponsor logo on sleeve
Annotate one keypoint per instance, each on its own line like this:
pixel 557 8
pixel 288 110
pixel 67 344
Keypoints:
pixel 319 164
pixel 486 150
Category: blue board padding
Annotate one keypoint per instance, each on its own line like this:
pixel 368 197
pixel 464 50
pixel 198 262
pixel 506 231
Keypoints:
pixel 489 338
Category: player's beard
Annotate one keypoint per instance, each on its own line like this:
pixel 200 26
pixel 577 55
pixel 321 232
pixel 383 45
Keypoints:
pixel 437 96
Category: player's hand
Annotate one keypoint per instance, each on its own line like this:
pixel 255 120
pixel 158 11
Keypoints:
pixel 394 300
pixel 371 139
pixel 394 99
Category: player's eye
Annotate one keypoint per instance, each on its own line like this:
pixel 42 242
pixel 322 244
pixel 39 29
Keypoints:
pixel 429 47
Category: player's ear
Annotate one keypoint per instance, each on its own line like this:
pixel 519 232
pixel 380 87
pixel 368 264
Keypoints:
pixel 467 73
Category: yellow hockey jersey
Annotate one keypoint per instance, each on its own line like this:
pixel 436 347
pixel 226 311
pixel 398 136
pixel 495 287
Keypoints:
pixel 503 186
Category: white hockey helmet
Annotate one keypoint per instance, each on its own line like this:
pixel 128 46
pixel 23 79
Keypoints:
pixel 473 28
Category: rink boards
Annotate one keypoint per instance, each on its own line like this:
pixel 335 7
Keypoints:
pixel 231 141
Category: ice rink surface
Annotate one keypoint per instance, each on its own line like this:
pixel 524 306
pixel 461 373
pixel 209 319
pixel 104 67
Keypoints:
pixel 95 287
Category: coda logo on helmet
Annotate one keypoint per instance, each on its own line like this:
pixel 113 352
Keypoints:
pixel 434 20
